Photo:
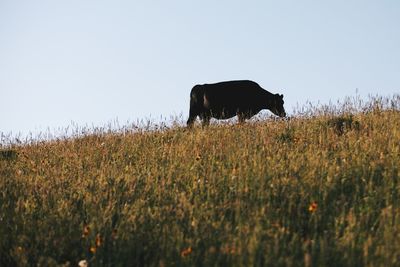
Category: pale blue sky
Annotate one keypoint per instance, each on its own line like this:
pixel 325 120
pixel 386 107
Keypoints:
pixel 91 62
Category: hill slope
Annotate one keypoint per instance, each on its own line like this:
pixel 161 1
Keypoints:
pixel 321 190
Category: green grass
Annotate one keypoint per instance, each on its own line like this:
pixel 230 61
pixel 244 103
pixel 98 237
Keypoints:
pixel 267 193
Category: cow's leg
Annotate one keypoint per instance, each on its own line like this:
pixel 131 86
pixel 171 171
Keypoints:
pixel 192 117
pixel 241 117
pixel 205 117
pixel 194 111
pixel 190 122
pixel 206 121
pixel 244 115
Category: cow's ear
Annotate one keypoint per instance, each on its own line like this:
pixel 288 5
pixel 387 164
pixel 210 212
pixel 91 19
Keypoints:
pixel 281 96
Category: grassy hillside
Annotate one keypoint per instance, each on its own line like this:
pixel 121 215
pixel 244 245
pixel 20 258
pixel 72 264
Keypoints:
pixel 321 189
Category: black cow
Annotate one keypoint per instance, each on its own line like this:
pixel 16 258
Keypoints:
pixel 227 99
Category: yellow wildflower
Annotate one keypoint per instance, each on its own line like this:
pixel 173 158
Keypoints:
pixel 86 231
pixel 99 241
pixel 186 252
pixel 313 207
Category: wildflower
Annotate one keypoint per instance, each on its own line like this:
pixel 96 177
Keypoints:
pixel 232 250
pixel 229 250
pixel 186 252
pixel 313 207
pixel 92 250
pixel 234 173
pixel 86 231
pixel 83 263
pixel 98 240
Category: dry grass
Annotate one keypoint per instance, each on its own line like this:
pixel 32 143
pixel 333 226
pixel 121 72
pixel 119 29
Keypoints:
pixel 275 193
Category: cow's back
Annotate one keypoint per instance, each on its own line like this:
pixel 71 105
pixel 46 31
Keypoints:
pixel 233 93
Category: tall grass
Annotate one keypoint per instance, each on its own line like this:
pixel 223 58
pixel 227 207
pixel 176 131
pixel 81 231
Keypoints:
pixel 267 193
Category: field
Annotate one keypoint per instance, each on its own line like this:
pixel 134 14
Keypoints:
pixel 320 189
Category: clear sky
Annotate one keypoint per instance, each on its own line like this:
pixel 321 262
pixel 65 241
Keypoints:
pixel 92 62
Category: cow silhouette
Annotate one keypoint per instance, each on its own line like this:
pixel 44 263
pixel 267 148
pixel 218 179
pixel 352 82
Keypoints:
pixel 225 100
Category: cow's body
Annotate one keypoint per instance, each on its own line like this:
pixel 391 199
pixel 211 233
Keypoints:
pixel 225 100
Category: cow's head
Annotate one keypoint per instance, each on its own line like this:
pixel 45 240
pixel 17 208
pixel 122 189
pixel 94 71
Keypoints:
pixel 277 106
